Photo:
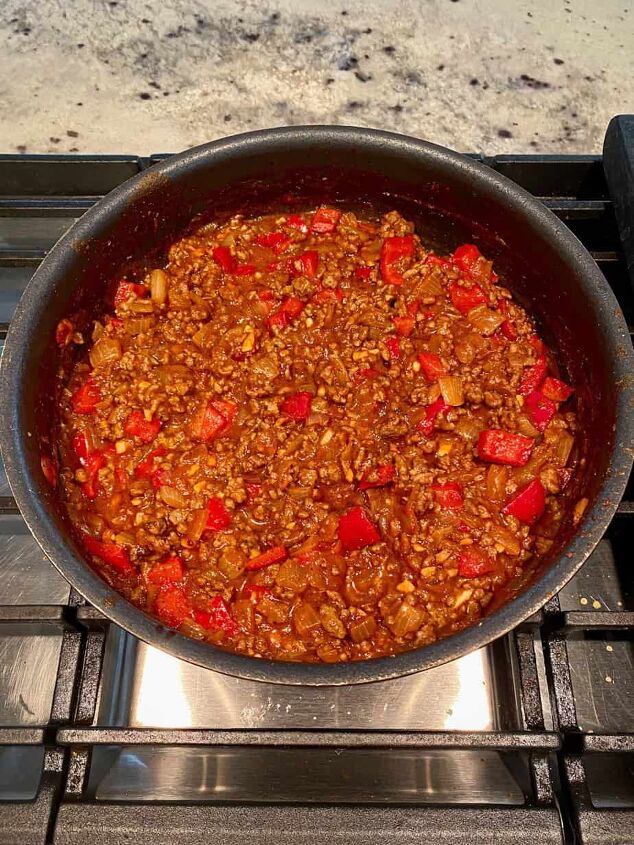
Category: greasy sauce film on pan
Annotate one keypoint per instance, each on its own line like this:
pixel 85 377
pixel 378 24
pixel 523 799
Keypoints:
pixel 308 437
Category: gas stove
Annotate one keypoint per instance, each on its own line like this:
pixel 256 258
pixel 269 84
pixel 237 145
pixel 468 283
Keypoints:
pixel 107 740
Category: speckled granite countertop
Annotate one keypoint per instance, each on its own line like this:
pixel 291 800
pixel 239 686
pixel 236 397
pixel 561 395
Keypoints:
pixel 493 75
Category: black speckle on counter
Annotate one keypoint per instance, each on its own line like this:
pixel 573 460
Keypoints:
pixel 145 20
pixel 398 108
pixel 21 148
pixel 330 80
pixel 353 105
pixel 504 133
pixel 526 81
pixel 344 12
pixel 250 37
pixel 440 67
pixel 361 76
pixel 474 81
pixel 54 140
pixel 347 62
pixel 80 46
pixel 178 32
pixel 227 118
pixel 558 61
pixel 145 95
pixel 274 18
pixel 72 133
pixel 389 49
pixel 80 104
pixel 155 85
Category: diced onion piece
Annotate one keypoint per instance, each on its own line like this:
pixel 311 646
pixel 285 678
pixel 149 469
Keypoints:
pixel 506 539
pixel 451 389
pixel 232 562
pixel 172 497
pixel 292 576
pixel 497 476
pixel 105 351
pixel 138 325
pixel 563 447
pixel 485 320
pixel 468 428
pixel 305 618
pixel 158 286
pixel 362 629
pixel 429 285
pixel 197 524
pixel 407 620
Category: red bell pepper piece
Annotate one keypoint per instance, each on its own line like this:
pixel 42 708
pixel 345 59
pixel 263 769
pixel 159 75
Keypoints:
pixel 81 447
pixel 257 589
pixel 555 389
pixel 362 272
pixel 306 264
pixel 377 476
pixel 508 330
pixel 63 333
pixel 161 478
pixel 540 409
pixel 172 606
pixel 86 398
pixel 528 504
pixel 404 326
pixel 222 256
pixel 437 260
pixel 129 290
pixel 245 269
pixel 218 517
pixel 366 373
pixel 464 299
pixel 466 257
pixel 290 308
pixel 328 294
pixel 394 251
pixel 393 347
pixel 276 241
pixel 325 220
pixel 213 419
pixel 253 489
pixel 473 563
pixel 113 554
pixel 504 447
pixel 274 555
pixel 297 222
pixel 356 531
pixel 217 618
pixel 533 376
pixel 168 571
pixel 428 424
pixel 145 468
pixel 432 366
pixel 92 464
pixel 297 405
pixel 49 469
pixel 137 426
pixel 448 495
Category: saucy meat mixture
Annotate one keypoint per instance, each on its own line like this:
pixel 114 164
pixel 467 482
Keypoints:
pixel 308 437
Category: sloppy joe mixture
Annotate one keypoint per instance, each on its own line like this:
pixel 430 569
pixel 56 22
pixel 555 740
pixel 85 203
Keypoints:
pixel 307 437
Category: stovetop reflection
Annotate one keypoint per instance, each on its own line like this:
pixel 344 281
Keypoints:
pixel 144 687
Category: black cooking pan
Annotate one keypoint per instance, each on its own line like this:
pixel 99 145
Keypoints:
pixel 452 199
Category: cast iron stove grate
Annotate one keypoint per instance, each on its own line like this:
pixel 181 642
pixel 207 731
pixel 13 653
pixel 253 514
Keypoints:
pixel 105 740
